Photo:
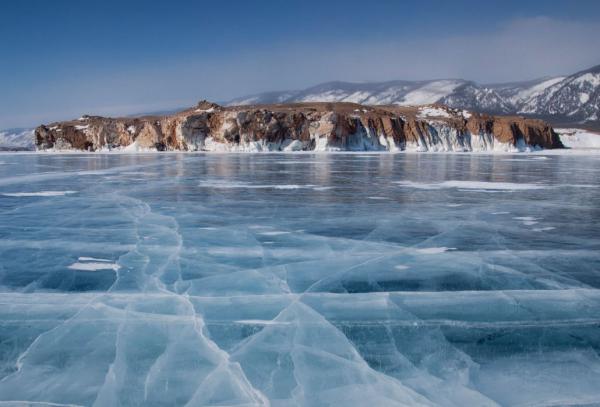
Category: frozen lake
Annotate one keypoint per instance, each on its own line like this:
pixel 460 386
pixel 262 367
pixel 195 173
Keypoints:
pixel 272 279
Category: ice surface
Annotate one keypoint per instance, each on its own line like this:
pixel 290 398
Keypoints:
pixel 278 280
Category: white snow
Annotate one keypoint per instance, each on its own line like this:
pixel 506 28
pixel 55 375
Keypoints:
pixel 430 93
pixel 527 220
pixel 357 97
pixel 472 185
pixel 592 79
pixel 544 229
pixel 92 259
pixel 295 145
pixel 579 138
pixel 430 111
pixel 274 233
pixel 329 96
pixel 135 148
pixel 234 185
pixel 260 321
pixel 20 139
pixel 535 90
pixel 94 266
pixel 39 193
pixel 435 250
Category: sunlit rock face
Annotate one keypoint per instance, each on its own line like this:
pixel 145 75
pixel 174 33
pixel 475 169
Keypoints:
pixel 302 127
pixel 299 280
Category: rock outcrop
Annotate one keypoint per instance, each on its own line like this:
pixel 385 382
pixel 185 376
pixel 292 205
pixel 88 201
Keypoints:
pixel 302 126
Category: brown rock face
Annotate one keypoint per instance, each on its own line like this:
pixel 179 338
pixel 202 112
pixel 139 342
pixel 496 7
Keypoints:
pixel 301 126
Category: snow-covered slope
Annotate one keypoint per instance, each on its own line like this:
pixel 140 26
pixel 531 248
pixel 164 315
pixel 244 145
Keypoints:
pixel 17 139
pixel 477 98
pixel 576 97
pixel 572 98
pixel 579 138
pixel 452 92
pixel 519 93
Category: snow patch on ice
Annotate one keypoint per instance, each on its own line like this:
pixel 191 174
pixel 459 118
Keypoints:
pixel 472 185
pixel 544 229
pixel 94 266
pixel 39 193
pixel 527 220
pixel 235 185
pixel 92 259
pixel 260 322
pixel 435 250
pixel 274 233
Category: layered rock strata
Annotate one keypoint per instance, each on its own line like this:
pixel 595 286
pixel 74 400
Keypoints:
pixel 302 127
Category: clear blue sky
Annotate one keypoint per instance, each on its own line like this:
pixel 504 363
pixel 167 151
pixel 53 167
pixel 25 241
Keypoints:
pixel 64 58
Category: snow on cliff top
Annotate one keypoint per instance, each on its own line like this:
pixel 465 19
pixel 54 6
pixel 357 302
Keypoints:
pixel 429 111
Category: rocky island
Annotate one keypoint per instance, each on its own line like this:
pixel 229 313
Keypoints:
pixel 315 126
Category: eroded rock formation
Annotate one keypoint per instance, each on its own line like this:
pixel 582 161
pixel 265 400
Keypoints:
pixel 302 126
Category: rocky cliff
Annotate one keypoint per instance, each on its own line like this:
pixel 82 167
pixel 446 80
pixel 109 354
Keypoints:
pixel 302 126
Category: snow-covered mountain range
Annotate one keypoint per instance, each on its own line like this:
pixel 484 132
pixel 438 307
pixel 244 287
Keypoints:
pixel 17 140
pixel 563 99
pixel 572 100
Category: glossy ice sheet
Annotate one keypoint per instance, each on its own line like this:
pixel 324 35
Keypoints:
pixel 342 279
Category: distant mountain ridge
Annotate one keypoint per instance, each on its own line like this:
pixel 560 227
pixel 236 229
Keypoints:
pixel 17 140
pixel 566 99
pixel 561 100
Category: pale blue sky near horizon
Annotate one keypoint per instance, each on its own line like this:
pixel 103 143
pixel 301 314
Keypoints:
pixel 61 59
